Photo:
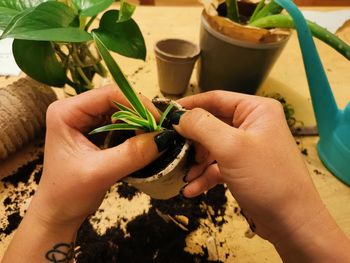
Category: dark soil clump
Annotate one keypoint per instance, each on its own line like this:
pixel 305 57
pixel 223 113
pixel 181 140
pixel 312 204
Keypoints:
pixel 148 237
pixel 13 222
pixel 126 191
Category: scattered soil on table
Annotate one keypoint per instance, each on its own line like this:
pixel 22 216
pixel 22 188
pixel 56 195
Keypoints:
pixel 24 172
pixel 19 193
pixel 126 191
pixel 149 237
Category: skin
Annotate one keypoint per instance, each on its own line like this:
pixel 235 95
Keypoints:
pixel 264 171
pixel 271 184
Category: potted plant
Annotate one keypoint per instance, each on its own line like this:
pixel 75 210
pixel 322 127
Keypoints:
pixel 240 41
pixel 53 39
pixel 163 178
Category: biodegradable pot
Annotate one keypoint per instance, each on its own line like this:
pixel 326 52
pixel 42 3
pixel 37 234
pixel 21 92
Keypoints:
pixel 175 62
pixel 235 57
pixel 165 183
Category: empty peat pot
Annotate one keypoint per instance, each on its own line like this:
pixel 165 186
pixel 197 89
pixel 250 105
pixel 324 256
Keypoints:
pixel 236 57
pixel 175 62
pixel 163 178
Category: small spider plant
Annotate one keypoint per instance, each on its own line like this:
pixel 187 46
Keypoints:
pixel 267 14
pixel 136 117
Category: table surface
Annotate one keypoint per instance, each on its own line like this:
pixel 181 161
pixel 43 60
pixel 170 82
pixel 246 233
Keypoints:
pixel 287 78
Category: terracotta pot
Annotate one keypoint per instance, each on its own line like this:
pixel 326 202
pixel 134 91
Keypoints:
pixel 168 182
pixel 236 57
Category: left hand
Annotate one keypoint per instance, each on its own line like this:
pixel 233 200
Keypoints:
pixel 76 172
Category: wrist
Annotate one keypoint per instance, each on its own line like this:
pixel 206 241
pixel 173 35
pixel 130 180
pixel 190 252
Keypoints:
pixel 318 240
pixel 38 240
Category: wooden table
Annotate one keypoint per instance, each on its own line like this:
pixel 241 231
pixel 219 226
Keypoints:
pixel 286 78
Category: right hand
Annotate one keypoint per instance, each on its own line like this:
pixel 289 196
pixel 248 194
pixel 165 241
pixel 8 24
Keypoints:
pixel 256 156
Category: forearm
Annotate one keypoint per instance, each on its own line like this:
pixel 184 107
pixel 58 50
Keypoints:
pixel 37 241
pixel 319 240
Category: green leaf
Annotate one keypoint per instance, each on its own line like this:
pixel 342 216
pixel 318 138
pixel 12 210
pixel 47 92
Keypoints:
pixel 164 114
pixel 38 60
pixel 271 8
pixel 126 11
pixel 123 108
pixel 130 118
pixel 115 127
pixel 91 7
pixel 119 77
pixel 50 21
pixel 124 38
pixel 152 124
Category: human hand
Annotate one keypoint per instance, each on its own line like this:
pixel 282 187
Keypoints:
pixel 257 157
pixel 76 172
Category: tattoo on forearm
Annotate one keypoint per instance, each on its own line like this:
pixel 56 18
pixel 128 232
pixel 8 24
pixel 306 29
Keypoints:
pixel 62 252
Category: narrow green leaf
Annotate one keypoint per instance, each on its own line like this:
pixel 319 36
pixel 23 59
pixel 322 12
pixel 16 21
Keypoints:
pixel 124 38
pixel 126 11
pixel 285 21
pixel 119 77
pixel 271 8
pixel 115 127
pixel 232 10
pixel 91 7
pixel 257 9
pixel 38 60
pixel 50 21
pixel 164 115
pixel 152 124
pixel 124 108
pixel 127 116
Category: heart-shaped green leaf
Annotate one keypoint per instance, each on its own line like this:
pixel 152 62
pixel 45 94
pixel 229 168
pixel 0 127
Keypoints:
pixel 124 38
pixel 10 8
pixel 38 60
pixel 50 21
pixel 91 7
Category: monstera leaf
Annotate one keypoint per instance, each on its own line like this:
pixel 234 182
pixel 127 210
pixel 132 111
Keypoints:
pixel 10 8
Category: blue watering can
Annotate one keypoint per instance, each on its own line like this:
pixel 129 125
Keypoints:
pixel 333 124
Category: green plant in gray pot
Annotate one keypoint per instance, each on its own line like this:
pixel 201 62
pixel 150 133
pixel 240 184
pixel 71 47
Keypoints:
pixel 240 42
pixel 53 39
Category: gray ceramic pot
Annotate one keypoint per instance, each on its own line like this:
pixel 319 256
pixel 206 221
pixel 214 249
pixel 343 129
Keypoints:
pixel 231 63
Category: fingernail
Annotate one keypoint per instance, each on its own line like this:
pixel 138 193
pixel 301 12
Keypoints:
pixel 164 139
pixel 175 117
pixel 184 179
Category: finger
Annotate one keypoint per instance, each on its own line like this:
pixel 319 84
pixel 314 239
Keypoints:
pixel 209 178
pixel 219 103
pixel 86 110
pixel 216 136
pixel 126 158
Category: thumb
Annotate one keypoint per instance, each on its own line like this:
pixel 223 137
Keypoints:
pixel 203 127
pixel 132 155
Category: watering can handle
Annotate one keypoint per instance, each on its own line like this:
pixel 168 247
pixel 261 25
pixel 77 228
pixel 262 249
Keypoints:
pixel 323 101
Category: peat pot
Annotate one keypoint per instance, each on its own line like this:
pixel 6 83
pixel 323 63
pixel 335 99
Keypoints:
pixel 236 57
pixel 166 182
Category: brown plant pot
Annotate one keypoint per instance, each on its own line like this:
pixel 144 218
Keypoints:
pixel 166 182
pixel 236 57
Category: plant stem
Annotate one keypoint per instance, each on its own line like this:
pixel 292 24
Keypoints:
pixel 271 8
pixel 285 21
pixel 232 10
pixel 91 20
